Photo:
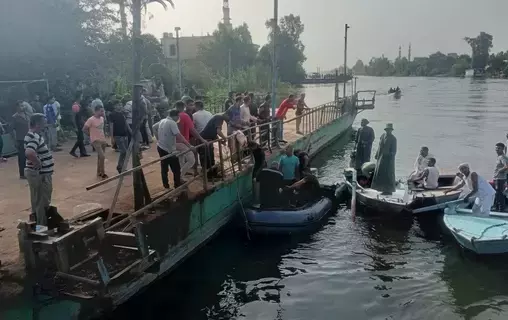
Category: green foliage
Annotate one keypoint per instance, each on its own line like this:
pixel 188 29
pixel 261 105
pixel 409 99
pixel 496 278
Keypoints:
pixel 359 68
pixel 253 79
pixel 440 64
pixel 480 46
pixel 290 56
pixel 237 40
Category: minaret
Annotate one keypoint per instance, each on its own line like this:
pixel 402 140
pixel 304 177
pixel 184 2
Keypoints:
pixel 409 53
pixel 225 11
pixel 400 52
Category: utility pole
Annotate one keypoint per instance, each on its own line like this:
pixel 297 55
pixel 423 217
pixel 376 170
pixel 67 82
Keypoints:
pixel 345 59
pixel 274 54
pixel 138 177
pixel 229 71
pixel 177 30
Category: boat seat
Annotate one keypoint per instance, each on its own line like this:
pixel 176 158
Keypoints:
pixel 436 189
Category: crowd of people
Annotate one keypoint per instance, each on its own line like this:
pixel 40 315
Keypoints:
pixel 184 137
pixel 475 190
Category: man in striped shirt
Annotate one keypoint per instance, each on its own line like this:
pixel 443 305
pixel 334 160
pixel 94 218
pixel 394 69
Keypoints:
pixel 39 168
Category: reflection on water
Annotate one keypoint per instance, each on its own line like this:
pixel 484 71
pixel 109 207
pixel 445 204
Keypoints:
pixel 369 268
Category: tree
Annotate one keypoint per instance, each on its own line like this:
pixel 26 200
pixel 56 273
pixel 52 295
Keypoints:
pixel 238 40
pixel 497 63
pixel 480 46
pixel 359 68
pixel 290 56
pixel 380 67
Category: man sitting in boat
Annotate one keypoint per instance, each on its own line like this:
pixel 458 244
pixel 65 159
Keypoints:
pixel 308 188
pixel 270 182
pixel 481 194
pixel 289 165
pixel 304 160
pixel 428 178
pixel 421 163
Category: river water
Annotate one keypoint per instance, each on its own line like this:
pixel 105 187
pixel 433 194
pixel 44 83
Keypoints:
pixel 367 268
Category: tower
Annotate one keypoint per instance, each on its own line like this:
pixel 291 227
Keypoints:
pixel 225 12
pixel 409 53
pixel 400 52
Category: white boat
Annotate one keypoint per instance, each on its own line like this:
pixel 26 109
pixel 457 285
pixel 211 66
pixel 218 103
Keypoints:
pixel 480 234
pixel 404 199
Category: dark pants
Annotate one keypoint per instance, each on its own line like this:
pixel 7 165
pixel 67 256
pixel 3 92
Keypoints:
pixel 80 143
pixel 207 159
pixel 122 145
pixel 173 163
pixel 500 199
pixel 144 134
pixel 1 145
pixel 20 145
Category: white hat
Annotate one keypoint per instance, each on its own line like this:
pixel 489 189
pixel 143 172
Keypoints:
pixel 464 165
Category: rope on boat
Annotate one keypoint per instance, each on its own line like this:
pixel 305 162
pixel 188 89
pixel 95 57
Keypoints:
pixel 473 239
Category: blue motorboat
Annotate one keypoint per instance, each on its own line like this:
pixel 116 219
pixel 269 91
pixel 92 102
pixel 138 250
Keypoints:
pixel 288 220
pixel 480 234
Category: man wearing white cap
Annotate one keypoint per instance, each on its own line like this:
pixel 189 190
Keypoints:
pixel 481 194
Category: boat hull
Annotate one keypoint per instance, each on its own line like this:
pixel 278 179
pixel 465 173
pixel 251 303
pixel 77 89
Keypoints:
pixel 403 201
pixel 288 221
pixel 479 234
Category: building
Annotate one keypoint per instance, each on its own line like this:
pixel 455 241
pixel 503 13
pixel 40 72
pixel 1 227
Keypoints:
pixel 189 46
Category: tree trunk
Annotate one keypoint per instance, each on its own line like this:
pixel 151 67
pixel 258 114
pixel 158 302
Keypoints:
pixel 123 17
pixel 136 104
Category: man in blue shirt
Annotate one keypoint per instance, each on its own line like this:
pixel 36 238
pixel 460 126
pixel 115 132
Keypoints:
pixel 289 166
pixel 50 133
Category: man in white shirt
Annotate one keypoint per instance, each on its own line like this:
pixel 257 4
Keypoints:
pixel 201 116
pixel 421 163
pixel 245 116
pixel 166 131
pixel 429 177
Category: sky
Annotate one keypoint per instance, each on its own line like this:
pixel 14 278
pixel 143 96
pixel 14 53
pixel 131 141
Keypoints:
pixel 377 26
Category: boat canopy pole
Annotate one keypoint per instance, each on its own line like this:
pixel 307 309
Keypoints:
pixel 353 196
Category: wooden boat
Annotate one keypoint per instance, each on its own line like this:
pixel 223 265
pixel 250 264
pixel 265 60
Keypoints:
pixel 405 198
pixel 291 220
pixel 480 234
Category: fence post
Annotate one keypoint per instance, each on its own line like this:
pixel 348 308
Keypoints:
pixel 221 160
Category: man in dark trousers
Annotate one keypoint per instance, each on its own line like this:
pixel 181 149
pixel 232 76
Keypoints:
pixel 21 124
pixel 384 176
pixel 364 139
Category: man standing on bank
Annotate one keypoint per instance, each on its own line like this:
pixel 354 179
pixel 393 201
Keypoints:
pixel 39 168
pixel 94 128
pixel 21 124
pixel 364 139
pixel 384 176
pixel 166 131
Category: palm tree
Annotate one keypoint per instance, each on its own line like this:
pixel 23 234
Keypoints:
pixel 122 10
pixel 139 183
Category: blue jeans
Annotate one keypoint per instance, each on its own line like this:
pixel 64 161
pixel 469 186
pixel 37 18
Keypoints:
pixel 122 144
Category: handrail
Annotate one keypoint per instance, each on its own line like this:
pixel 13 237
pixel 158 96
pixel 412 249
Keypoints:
pixel 220 140
pixel 311 120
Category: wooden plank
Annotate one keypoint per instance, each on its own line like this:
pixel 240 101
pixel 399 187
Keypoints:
pixel 72 277
pixel 82 262
pixel 121 238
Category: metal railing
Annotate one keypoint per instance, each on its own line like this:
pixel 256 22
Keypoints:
pixel 231 161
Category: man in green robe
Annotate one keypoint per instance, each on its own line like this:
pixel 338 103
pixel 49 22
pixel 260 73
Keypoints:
pixel 384 176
